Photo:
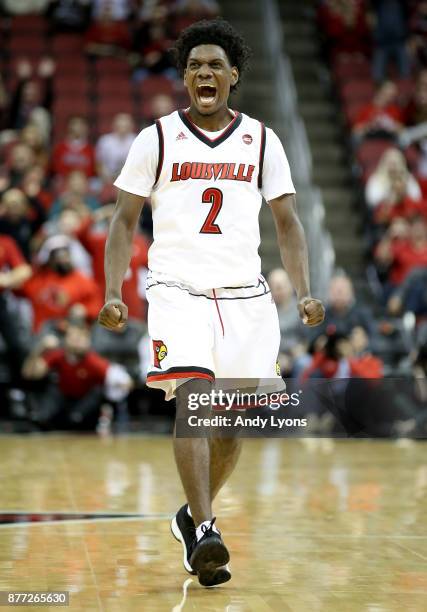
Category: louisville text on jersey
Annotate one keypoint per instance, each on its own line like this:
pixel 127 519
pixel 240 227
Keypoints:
pixel 222 171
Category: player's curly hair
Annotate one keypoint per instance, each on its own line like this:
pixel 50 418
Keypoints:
pixel 213 32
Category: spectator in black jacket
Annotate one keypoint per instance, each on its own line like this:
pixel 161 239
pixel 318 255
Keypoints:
pixel 342 312
pixel 69 15
pixel 411 295
pixel 20 218
pixel 22 159
pixel 390 33
pixel 30 94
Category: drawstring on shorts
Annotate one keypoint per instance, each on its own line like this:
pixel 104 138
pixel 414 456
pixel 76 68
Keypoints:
pixel 219 312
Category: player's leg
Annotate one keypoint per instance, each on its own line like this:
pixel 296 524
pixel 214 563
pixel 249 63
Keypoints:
pixel 182 363
pixel 205 461
pixel 246 348
pixel 206 554
pixel 224 454
pixel 192 455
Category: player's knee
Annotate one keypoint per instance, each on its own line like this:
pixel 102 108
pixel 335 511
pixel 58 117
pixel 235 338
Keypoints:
pixel 194 398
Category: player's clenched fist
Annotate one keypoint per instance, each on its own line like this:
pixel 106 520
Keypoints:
pixel 311 311
pixel 113 315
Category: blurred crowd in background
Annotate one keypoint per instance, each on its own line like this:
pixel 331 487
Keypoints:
pixel 78 80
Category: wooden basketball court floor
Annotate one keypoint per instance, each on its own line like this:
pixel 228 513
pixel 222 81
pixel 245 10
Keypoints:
pixel 314 525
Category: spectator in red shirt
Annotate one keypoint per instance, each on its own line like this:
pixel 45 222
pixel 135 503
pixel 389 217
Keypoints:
pixel 402 255
pixel 74 152
pixel 382 116
pixel 398 204
pixel 187 12
pixel 14 271
pixel 392 170
pixel 353 402
pixel 107 36
pixel 344 24
pixel 93 239
pixel 56 286
pixel 344 357
pixel 153 43
pixel 82 378
pixel 404 208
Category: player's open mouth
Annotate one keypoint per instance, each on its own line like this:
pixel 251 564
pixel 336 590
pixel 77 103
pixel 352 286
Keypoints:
pixel 206 93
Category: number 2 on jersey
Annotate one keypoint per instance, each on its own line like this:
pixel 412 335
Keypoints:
pixel 212 196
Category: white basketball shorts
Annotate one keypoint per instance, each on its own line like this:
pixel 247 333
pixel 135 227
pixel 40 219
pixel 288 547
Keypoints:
pixel 215 334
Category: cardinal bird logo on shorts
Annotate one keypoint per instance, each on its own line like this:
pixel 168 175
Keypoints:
pixel 160 351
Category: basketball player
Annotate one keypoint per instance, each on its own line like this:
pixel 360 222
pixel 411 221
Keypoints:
pixel 206 170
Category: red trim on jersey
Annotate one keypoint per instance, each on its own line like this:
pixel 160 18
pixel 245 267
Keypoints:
pixel 229 126
pixel 261 155
pixel 173 375
pixel 219 312
pixel 161 150
pixel 211 142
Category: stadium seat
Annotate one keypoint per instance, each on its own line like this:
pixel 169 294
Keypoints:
pixel 412 155
pixel 28 23
pixel 109 66
pixel 155 85
pixel 65 106
pixel 71 66
pixel 107 108
pixel 349 67
pixel 103 125
pixel 406 89
pixel 63 84
pixel 357 90
pixel 30 44
pixel 351 111
pixel 369 153
pixel 68 43
pixel 118 86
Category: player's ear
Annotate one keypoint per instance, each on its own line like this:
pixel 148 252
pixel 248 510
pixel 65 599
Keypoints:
pixel 185 77
pixel 234 75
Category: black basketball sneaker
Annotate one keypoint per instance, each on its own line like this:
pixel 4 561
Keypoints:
pixel 209 557
pixel 184 530
pixel 211 572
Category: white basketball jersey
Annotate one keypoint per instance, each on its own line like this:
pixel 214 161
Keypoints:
pixel 206 198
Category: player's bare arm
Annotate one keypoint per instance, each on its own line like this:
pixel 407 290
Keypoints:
pixel 294 255
pixel 118 251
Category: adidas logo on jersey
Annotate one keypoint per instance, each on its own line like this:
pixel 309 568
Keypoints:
pixel 181 136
